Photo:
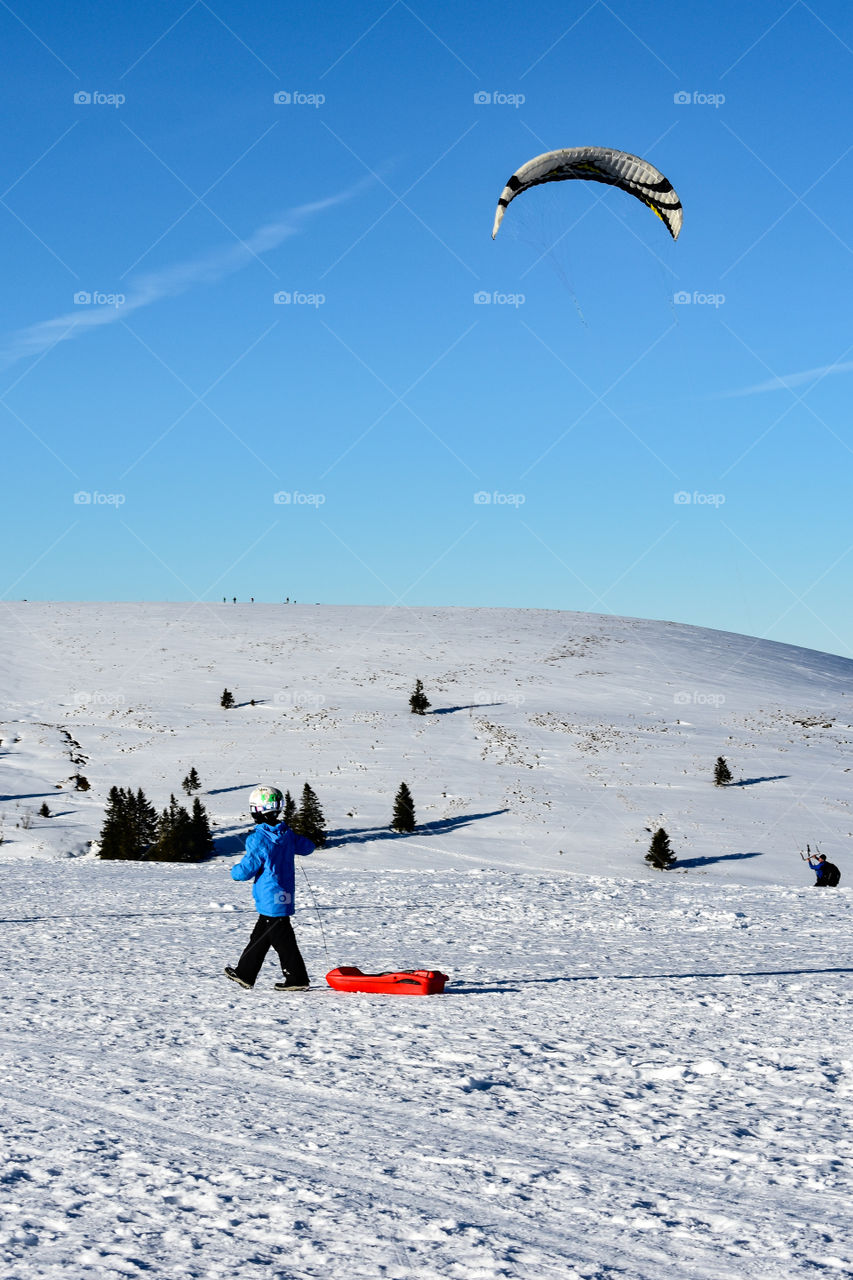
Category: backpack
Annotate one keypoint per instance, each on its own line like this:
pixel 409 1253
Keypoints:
pixel 831 874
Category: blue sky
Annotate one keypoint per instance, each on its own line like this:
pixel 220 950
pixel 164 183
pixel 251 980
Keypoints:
pixel 152 168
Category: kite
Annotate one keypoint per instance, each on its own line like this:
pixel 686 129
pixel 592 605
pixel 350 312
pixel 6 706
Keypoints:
pixel 598 164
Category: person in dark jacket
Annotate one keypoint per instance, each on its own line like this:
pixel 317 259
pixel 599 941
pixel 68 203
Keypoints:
pixel 828 876
pixel 269 862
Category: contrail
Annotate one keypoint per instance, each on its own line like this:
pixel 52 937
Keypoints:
pixel 170 282
pixel 789 380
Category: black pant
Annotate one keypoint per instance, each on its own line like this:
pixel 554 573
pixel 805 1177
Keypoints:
pixel 277 932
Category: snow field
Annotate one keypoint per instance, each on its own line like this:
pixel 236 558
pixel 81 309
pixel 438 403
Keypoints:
pixel 622 1080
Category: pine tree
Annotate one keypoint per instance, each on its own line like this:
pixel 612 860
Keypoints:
pixel 163 849
pixel 722 772
pixel 660 854
pixel 112 839
pixel 200 844
pixel 289 811
pixel 191 782
pixel 308 819
pixel 44 811
pixel 140 824
pixel 404 810
pixel 418 702
pixel 174 842
pixel 227 699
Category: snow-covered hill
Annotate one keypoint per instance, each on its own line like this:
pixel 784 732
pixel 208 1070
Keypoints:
pixel 632 1075
pixel 554 740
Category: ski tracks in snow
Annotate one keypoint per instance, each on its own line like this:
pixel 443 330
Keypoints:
pixel 623 1081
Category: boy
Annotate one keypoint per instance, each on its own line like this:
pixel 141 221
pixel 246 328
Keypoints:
pixel 269 861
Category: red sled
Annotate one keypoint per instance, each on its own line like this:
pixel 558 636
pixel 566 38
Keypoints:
pixel 409 982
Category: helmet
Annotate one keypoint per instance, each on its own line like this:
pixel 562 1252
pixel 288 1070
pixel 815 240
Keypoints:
pixel 265 804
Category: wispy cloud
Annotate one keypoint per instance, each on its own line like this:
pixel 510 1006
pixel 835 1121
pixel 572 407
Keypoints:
pixel 169 282
pixel 788 381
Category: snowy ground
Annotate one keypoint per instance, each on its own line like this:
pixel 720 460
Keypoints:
pixel 623 1080
pixel 632 1076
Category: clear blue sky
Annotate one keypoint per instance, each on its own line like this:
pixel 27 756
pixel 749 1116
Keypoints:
pixel 383 397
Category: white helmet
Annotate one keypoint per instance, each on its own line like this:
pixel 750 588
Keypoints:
pixel 265 804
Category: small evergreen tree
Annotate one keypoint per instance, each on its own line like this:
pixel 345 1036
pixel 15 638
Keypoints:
pixel 660 854
pixel 227 699
pixel 191 782
pixel 111 839
pixel 173 834
pixel 418 703
pixel 200 844
pixel 81 783
pixel 404 810
pixel 308 819
pixel 130 824
pixel 722 772
pixel 141 824
pixel 289 811
pixel 44 811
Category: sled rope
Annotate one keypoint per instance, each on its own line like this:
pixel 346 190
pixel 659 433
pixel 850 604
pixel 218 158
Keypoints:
pixel 317 909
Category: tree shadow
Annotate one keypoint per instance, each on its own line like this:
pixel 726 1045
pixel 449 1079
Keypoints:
pixel 509 985
pixel 752 782
pixel 232 841
pixel 30 795
pixel 481 991
pixel 250 702
pixel 363 835
pixel 468 706
pixel 706 862
pixel 221 791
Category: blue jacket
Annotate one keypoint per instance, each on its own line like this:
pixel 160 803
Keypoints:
pixel 268 861
pixel 819 868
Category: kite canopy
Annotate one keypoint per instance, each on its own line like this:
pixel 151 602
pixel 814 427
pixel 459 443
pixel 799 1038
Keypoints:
pixel 598 164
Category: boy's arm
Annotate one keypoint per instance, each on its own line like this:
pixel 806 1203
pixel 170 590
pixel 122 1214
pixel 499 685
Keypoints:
pixel 302 845
pixel 248 867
